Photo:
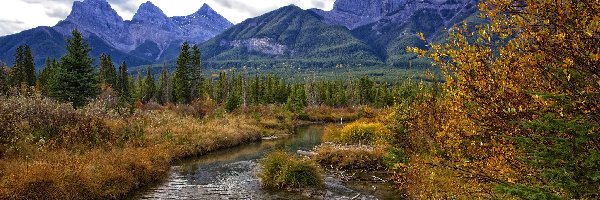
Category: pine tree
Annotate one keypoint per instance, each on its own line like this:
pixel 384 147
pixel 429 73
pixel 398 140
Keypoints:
pixel 138 87
pixel 47 73
pixel 107 74
pixel 149 86
pixel 4 79
pixel 123 82
pixel 75 81
pixel 28 66
pixel 181 77
pixel 196 72
pixel 297 100
pixel 16 73
pixel 163 92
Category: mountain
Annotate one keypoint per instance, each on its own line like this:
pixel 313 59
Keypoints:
pixel 353 33
pixel 287 35
pixel 389 26
pixel 148 38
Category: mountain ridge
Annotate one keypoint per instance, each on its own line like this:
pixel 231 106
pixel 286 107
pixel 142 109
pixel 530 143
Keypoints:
pixel 149 37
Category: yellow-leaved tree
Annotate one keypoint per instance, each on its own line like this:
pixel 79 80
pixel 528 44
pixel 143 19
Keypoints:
pixel 523 98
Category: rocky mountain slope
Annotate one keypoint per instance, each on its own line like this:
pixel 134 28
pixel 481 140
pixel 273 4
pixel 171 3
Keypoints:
pixel 389 26
pixel 150 37
pixel 287 35
pixel 354 33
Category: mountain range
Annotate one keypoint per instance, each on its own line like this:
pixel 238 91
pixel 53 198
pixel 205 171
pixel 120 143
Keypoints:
pixel 149 37
pixel 353 33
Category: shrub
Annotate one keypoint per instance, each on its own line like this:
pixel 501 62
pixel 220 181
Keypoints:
pixel 351 157
pixel 41 120
pixel 281 170
pixel 359 133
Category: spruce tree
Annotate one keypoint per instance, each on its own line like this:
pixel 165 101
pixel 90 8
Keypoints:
pixel 107 74
pixel 16 74
pixel 163 93
pixel 4 84
pixel 149 86
pixel 181 77
pixel 75 81
pixel 123 82
pixel 28 66
pixel 138 86
pixel 45 76
pixel 196 72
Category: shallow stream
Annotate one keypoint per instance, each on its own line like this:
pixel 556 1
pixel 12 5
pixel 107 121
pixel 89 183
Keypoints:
pixel 233 174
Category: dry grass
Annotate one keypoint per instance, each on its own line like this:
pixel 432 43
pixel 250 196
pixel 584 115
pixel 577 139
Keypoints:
pixel 137 151
pixel 344 157
pixel 330 114
pixel 282 170
pixel 359 132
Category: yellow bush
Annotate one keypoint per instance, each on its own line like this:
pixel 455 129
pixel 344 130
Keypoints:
pixel 359 133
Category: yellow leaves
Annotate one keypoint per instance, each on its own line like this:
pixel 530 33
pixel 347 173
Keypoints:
pixel 595 56
pixel 421 36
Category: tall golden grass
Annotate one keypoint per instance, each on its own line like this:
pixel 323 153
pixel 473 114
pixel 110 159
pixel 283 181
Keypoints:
pixel 50 151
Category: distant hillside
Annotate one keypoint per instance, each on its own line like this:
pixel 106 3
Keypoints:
pixel 287 35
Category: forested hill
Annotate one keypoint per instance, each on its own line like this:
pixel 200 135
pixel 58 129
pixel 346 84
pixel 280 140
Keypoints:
pixel 354 33
pixel 287 35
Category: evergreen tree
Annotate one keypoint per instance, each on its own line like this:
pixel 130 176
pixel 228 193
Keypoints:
pixel 181 79
pixel 4 79
pixel 16 73
pixel 28 66
pixel 297 100
pixel 163 92
pixel 107 74
pixel 47 73
pixel 149 86
pixel 75 81
pixel 138 87
pixel 222 90
pixel 123 82
pixel 196 72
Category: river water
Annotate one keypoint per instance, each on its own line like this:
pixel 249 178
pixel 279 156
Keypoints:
pixel 233 174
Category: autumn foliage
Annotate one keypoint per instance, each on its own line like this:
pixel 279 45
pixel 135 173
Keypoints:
pixel 523 97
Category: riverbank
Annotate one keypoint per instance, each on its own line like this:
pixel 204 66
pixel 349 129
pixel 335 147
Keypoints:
pixel 61 153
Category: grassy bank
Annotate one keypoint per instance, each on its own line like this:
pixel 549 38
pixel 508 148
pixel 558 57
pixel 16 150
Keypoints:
pixel 51 151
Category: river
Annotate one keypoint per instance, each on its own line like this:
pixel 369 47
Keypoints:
pixel 233 174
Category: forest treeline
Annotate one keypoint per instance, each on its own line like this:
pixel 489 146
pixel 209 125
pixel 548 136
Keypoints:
pixel 74 79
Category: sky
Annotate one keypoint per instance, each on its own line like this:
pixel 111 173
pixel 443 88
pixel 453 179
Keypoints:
pixel 19 15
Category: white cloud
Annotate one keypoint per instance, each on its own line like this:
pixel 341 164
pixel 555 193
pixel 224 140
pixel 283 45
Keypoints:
pixel 19 15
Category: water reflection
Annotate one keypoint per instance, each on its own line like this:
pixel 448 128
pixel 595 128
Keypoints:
pixel 232 174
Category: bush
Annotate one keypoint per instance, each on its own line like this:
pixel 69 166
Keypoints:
pixel 44 121
pixel 351 157
pixel 281 170
pixel 359 133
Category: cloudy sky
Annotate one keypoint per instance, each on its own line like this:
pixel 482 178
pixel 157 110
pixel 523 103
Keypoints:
pixel 19 15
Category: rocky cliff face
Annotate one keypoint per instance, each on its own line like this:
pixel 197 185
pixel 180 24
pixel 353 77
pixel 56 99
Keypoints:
pixel 356 13
pixel 149 34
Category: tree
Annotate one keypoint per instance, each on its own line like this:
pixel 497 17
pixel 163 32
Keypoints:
pixel 46 75
pixel 107 74
pixel 149 86
pixel 182 87
pixel 297 100
pixel 23 71
pixel 164 91
pixel 28 67
pixel 123 82
pixel 196 72
pixel 4 79
pixel 138 86
pixel 75 81
pixel 523 95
